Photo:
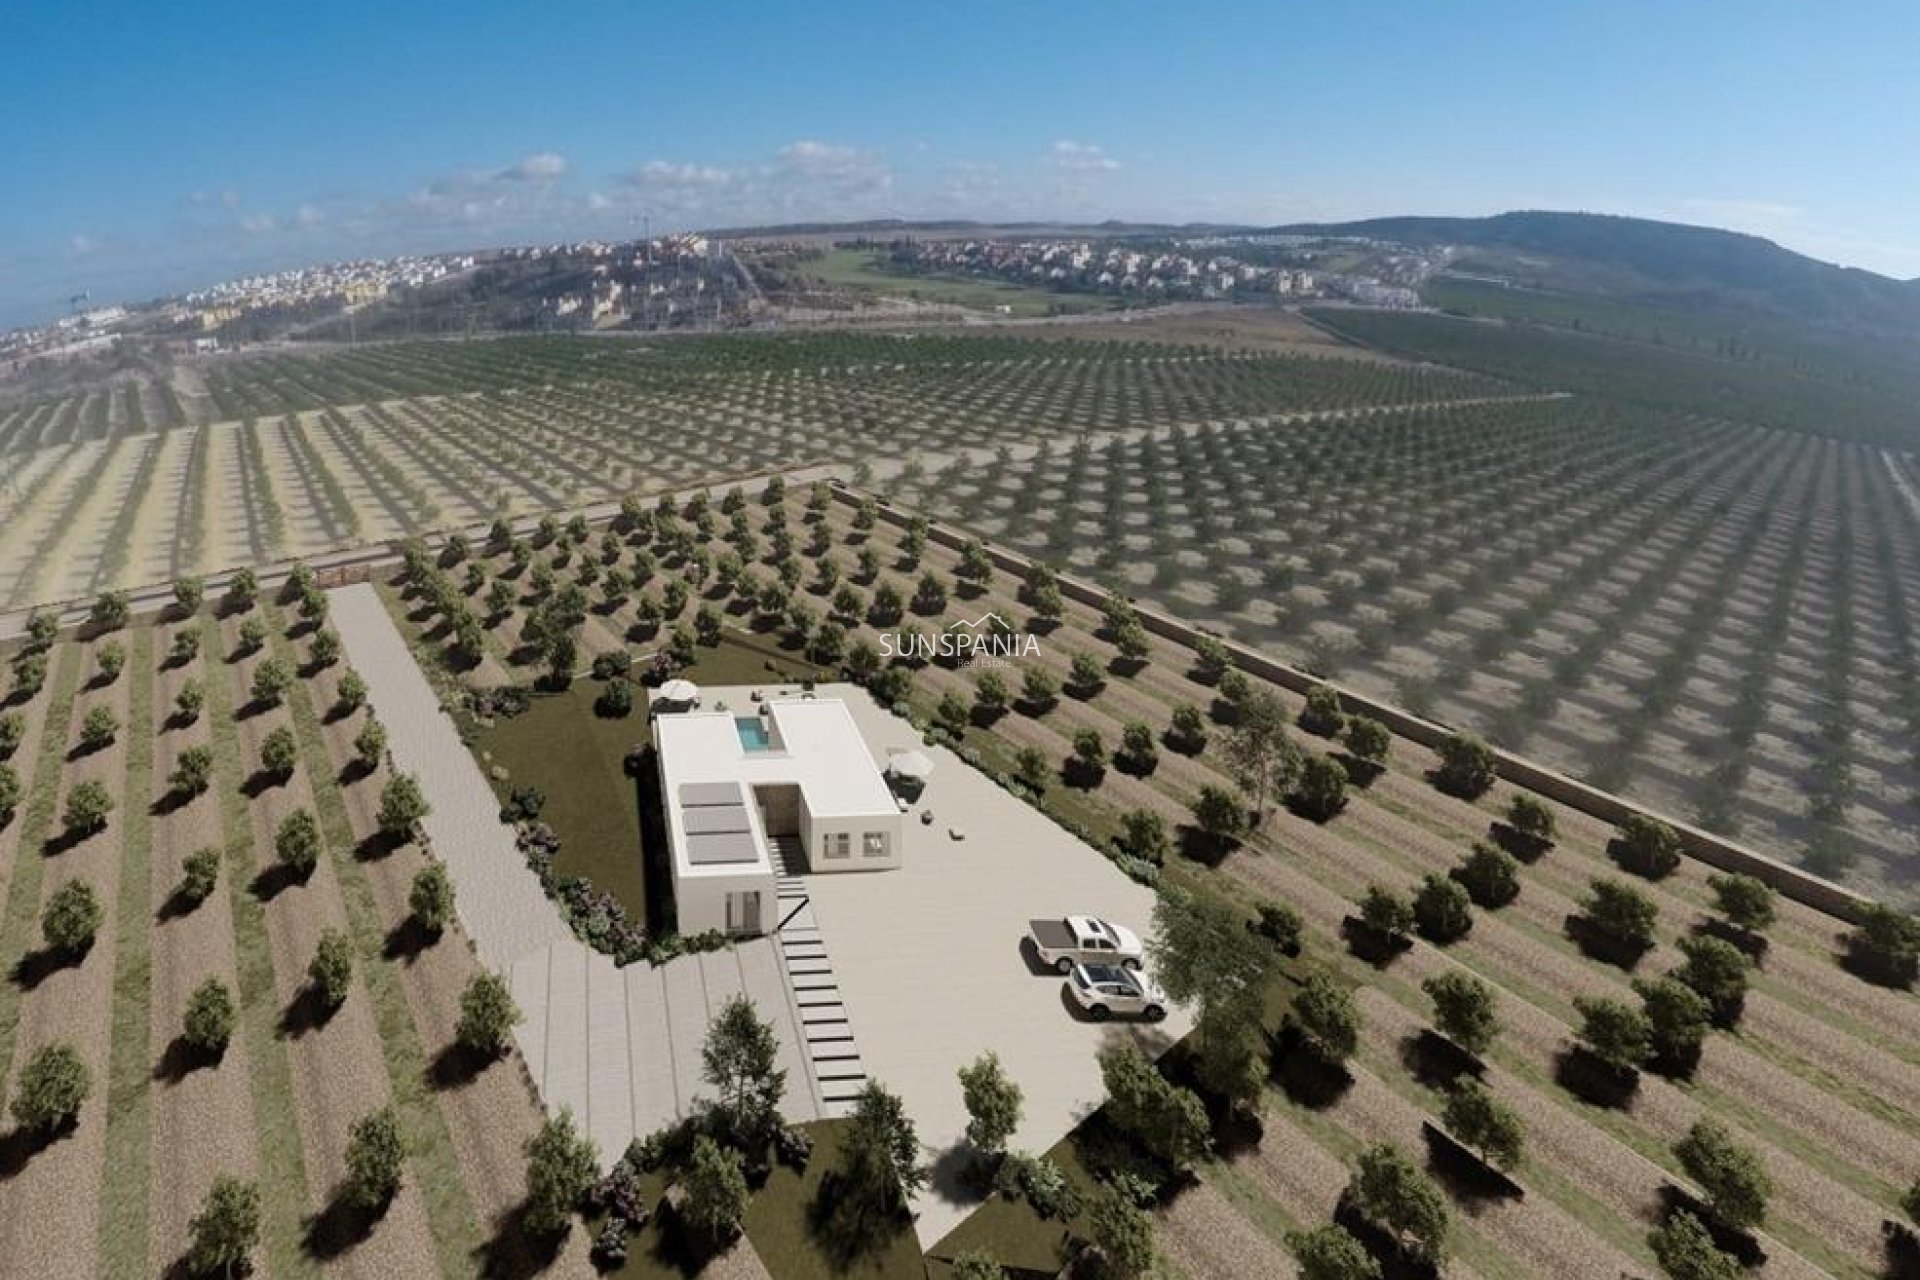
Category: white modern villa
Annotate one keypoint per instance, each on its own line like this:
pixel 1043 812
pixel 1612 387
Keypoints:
pixel 787 785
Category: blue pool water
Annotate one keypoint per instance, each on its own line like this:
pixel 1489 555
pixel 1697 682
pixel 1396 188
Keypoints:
pixel 753 734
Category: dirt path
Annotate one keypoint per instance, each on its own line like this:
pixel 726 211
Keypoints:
pixel 336 1063
pixel 202 1114
pixel 50 1209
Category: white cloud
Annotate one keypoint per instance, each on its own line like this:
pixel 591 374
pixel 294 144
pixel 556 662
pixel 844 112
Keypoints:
pixel 1082 157
pixel 257 224
pixel 667 174
pixel 1744 212
pixel 308 215
pixel 541 166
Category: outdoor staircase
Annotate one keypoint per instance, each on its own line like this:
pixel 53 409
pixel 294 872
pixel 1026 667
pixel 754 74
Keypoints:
pixel 831 1053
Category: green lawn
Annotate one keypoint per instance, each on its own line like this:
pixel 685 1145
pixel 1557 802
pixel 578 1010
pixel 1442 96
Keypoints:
pixel 578 759
pixel 865 269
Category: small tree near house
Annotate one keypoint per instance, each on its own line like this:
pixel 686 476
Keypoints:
pixel 993 1103
pixel 561 1166
pixel 431 898
pixel 403 805
pixel 487 1015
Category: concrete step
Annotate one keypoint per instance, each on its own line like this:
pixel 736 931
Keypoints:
pixel 822 1015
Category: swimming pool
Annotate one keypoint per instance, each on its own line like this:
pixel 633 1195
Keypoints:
pixel 753 733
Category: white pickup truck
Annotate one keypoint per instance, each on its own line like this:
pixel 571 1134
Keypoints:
pixel 1065 942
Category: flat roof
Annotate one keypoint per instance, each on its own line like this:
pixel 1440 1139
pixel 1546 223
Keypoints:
pixel 707 768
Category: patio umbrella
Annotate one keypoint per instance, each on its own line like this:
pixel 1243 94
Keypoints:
pixel 679 691
pixel 911 764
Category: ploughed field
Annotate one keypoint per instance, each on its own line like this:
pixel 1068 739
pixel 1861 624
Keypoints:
pixel 1820 1076
pixel 114 1193
pixel 267 457
pixel 1713 618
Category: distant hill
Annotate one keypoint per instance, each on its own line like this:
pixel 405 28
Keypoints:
pixel 1663 263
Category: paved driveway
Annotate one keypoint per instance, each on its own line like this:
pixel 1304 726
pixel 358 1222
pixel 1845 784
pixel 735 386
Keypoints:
pixel 932 972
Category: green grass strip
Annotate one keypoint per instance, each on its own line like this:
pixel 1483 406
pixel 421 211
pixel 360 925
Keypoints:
pixel 36 823
pixel 123 1188
pixel 283 1171
pixel 457 1236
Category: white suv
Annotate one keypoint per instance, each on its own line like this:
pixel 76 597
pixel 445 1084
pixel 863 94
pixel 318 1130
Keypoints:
pixel 1104 990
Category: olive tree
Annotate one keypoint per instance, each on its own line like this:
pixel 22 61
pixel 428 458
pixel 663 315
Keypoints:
pixel 226 1230
pixel 208 1024
pixel 487 1015
pixel 1734 1178
pixel 561 1167
pixel 51 1088
pixel 1484 1123
pixel 376 1159
pixel 1465 1009
pixel 1389 1191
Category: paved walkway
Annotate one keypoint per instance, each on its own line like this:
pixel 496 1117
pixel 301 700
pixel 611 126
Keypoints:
pixel 500 903
pixel 620 1047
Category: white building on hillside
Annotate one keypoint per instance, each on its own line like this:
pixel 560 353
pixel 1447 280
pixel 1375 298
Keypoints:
pixel 795 774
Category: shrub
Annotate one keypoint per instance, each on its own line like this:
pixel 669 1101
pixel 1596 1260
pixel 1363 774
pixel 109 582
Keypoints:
pixel 296 842
pixel 1321 790
pixel 1279 924
pixel 1716 969
pixel 1886 943
pixel 111 658
pixel 402 807
pixel 271 680
pixel 227 1228
pixel 1648 847
pixel 279 753
pixel 1123 1233
pixel 9 793
pixel 616 700
pixel 561 1167
pixel 189 700
pixel 487 1015
pixel 1465 1009
pixel 1386 912
pixel 88 805
pixel 331 969
pixel 1677 1021
pixel 97 730
pixel 1143 835
pixel 716 1191
pixel 186 646
pixel 351 693
pixel 1331 1253
pixel 431 898
pixel 188 594
pixel 975 1265
pixel 1685 1250
pixel 376 1159
pixel 51 1088
pixel 1187 730
pixel 1368 740
pixel 1484 1123
pixel 993 1104
pixel 1327 1018
pixel 1219 813
pixel 1389 1191
pixel 208 1024
pixel 1734 1178
pixel 1615 1032
pixel 1323 715
pixel 1491 876
pixel 1167 1120
pixel 1620 913
pixel 1042 1183
pixel 13 727
pixel 1531 818
pixel 71 918
pixel 1466 766
pixel 370 744
pixel 202 873
pixel 1746 902
pixel 110 611
pixel 326 649
pixel 192 772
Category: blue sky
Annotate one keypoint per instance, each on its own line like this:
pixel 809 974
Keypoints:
pixel 156 147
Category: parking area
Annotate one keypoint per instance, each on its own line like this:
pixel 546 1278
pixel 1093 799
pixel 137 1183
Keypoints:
pixel 932 971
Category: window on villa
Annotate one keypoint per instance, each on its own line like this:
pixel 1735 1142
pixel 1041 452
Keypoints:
pixel 873 844
pixel 836 844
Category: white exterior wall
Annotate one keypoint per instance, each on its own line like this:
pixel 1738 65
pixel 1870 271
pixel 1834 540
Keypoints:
pixel 822 834
pixel 700 900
